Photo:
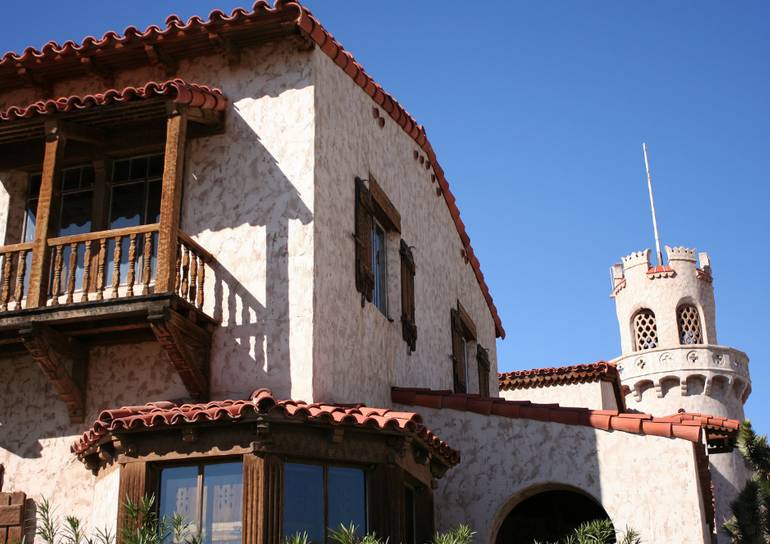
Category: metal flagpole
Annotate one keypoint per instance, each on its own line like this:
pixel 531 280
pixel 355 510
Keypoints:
pixel 652 206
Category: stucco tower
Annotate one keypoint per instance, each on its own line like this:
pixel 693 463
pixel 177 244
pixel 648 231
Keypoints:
pixel 671 359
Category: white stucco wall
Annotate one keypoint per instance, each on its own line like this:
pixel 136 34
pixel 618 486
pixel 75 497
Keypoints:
pixel 358 353
pixel 645 482
pixel 595 395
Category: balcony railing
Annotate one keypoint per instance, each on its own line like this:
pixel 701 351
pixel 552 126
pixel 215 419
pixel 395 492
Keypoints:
pixel 105 265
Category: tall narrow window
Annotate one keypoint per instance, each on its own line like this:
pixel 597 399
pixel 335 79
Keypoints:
pixel 463 342
pixel 318 498
pixel 208 497
pixel 645 330
pixel 688 319
pixel 379 268
pixel 30 213
pixel 410 515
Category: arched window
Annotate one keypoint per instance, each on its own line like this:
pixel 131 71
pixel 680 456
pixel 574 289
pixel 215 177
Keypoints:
pixel 689 324
pixel 645 329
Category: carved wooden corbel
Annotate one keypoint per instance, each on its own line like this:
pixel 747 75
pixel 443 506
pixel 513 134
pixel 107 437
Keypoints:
pixel 64 361
pixel 188 347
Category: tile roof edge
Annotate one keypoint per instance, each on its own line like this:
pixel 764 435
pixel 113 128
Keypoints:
pixel 315 31
pixel 686 426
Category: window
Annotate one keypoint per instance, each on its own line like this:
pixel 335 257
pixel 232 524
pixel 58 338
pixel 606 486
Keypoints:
pixel 135 191
pixel 645 330
pixel 379 268
pixel 483 367
pixel 375 217
pixel 410 515
pixel 688 321
pixel 209 497
pixel 318 498
pixel 463 340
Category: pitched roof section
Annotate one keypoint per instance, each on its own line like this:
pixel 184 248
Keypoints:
pixel 191 94
pixel 719 431
pixel 164 414
pixel 562 375
pixel 201 35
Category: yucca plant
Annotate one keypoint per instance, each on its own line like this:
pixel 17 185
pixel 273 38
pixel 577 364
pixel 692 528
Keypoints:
pixel 600 532
pixel 462 534
pixel 750 523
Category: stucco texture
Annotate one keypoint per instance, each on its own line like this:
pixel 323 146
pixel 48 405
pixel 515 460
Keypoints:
pixel 506 460
pixel 358 352
pixel 595 395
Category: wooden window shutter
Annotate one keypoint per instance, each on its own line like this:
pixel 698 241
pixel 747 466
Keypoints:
pixel 385 488
pixel 135 483
pixel 363 217
pixel 458 353
pixel 482 360
pixel 262 499
pixel 408 324
pixel 12 517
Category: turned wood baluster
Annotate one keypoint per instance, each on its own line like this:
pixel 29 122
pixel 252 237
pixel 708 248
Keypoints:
pixel 59 263
pixel 6 291
pixel 131 264
pixel 21 270
pixel 116 265
pixel 201 280
pixel 86 271
pixel 177 269
pixel 146 262
pixel 100 269
pixel 193 278
pixel 185 271
pixel 73 265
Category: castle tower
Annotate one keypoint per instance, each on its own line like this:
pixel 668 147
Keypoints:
pixel 671 359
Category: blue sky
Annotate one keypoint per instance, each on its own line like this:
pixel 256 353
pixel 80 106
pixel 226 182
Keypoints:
pixel 537 111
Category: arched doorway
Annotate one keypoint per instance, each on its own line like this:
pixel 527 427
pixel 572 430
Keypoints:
pixel 548 516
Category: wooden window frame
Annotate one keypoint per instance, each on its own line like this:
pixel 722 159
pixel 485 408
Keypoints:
pixel 463 332
pixel 483 366
pixel 380 269
pixel 408 311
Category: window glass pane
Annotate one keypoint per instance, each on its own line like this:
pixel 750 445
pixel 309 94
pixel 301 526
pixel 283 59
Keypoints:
pixel 139 168
pixel 120 170
pixel 179 494
pixel 127 208
pixel 303 501
pixel 75 213
pixel 347 498
pixel 34 185
pixel 410 517
pixel 155 169
pixel 222 501
pixel 30 220
pixel 379 296
pixel 153 202
pixel 70 179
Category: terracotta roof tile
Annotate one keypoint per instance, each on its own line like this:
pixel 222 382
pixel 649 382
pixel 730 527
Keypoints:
pixel 283 11
pixel 687 426
pixel 165 414
pixel 191 94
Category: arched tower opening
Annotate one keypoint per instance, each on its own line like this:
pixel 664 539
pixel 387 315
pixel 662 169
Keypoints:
pixel 548 516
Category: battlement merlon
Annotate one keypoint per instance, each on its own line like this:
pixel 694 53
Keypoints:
pixel 680 253
pixel 635 259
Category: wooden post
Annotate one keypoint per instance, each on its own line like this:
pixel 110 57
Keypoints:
pixel 171 199
pixel 37 293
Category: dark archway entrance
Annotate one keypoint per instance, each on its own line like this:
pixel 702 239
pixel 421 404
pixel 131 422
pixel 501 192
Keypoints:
pixel 548 516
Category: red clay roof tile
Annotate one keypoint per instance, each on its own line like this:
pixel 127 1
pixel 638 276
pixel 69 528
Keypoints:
pixel 165 414
pixel 52 53
pixel 191 94
pixel 688 426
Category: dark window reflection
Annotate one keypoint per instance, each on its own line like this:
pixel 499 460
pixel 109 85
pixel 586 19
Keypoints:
pixel 135 194
pixel 347 497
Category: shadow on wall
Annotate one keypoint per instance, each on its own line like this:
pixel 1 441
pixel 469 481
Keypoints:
pixel 239 204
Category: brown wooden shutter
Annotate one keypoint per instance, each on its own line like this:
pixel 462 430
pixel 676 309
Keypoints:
pixel 423 502
pixel 262 499
pixel 386 502
pixel 458 353
pixel 363 236
pixel 482 360
pixel 134 486
pixel 12 517
pixel 408 324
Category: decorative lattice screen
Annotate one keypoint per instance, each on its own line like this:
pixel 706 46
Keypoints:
pixel 689 325
pixel 646 330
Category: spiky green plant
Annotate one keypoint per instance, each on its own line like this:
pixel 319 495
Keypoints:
pixel 297 538
pixel 600 531
pixel 48 527
pixel 348 534
pixel 750 523
pixel 462 534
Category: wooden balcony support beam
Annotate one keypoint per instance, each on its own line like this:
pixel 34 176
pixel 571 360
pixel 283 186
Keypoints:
pixel 64 361
pixel 171 199
pixel 82 133
pixel 37 293
pixel 188 347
